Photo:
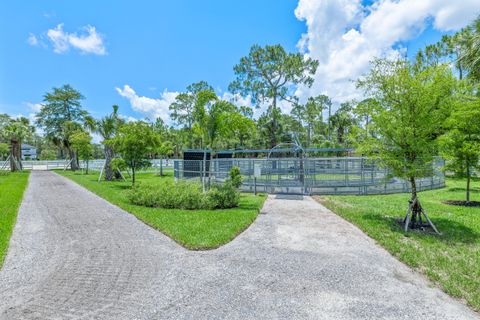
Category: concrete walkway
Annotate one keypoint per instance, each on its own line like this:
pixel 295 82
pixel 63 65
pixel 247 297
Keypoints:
pixel 75 256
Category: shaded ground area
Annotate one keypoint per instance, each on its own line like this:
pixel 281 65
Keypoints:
pixel 75 256
pixel 462 203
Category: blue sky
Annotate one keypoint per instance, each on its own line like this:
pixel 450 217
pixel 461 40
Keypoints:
pixel 159 47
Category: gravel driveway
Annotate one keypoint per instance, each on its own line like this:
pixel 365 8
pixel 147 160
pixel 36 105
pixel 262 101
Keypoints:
pixel 75 256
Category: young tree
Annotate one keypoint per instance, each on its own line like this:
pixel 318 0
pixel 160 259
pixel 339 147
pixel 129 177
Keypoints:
pixel 269 74
pixel 460 145
pixel 412 105
pixel 81 142
pixel 60 106
pixel 48 154
pixel 135 141
pixel 165 149
pixel 106 127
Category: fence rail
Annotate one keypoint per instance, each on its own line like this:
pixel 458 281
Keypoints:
pixel 342 175
pixel 93 165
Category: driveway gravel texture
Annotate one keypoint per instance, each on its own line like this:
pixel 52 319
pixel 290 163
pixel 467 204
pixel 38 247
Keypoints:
pixel 73 255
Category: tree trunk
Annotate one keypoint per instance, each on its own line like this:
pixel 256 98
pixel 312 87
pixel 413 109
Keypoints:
pixel 15 155
pixel 133 174
pixel 468 183
pixel 329 129
pixel 109 174
pixel 73 159
pixel 309 137
pixel 161 166
pixel 416 209
pixel 414 188
pixel 86 172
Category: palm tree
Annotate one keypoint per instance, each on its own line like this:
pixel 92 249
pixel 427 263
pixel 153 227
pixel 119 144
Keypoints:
pixel 107 128
pixel 16 130
pixel 471 56
pixel 209 115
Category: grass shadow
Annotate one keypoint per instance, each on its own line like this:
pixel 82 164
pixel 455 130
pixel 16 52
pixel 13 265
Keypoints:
pixel 452 232
pixel 457 189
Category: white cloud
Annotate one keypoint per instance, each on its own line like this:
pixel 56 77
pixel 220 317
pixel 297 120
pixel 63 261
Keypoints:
pixel 344 36
pixel 259 109
pixel 237 99
pixel 150 107
pixel 128 118
pixel 34 107
pixel 32 40
pixel 89 42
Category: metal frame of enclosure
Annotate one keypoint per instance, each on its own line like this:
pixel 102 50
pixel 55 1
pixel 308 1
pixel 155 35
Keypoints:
pixel 308 176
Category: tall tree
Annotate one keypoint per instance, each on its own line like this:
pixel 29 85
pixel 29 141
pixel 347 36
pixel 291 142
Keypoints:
pixel 182 109
pixel 239 128
pixel 412 105
pixel 270 74
pixel 60 106
pixel 342 122
pixel 210 114
pixel 311 113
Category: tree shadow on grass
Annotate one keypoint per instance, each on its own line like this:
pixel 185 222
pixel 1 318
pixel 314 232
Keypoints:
pixel 452 232
pixel 121 187
pixel 457 189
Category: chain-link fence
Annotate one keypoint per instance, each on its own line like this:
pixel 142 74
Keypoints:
pixel 343 175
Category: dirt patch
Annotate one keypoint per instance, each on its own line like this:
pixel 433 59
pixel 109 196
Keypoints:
pixel 462 203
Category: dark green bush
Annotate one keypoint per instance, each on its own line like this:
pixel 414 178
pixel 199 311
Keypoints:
pixel 184 195
pixel 235 177
pixel 223 196
pixel 180 195
pixel 188 195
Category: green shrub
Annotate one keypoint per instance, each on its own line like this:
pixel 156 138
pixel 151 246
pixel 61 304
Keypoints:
pixel 235 177
pixel 118 164
pixel 184 195
pixel 223 196
pixel 179 195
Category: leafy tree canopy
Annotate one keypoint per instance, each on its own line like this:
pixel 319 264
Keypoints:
pixel 270 73
pixel 411 106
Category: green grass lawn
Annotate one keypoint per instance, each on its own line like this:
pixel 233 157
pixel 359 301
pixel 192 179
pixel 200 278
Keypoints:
pixel 194 229
pixel 12 187
pixel 451 260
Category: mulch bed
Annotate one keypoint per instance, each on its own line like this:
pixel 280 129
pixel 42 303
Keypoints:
pixel 462 203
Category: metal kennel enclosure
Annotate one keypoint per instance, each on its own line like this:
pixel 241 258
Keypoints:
pixel 307 176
